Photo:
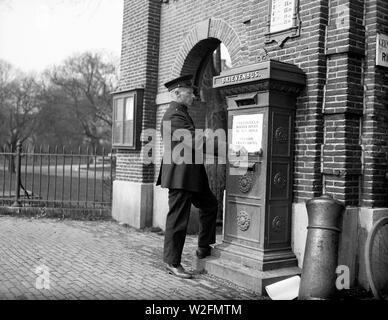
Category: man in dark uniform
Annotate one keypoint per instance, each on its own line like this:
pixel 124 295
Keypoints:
pixel 187 181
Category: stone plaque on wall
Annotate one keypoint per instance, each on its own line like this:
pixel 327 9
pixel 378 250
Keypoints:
pixel 283 20
pixel 282 12
pixel 382 50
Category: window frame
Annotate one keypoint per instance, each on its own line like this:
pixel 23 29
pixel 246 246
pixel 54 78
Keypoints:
pixel 137 95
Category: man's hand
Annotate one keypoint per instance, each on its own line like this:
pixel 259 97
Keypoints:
pixel 238 150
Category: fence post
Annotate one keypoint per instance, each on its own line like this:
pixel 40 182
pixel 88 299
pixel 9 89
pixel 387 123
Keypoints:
pixel 18 170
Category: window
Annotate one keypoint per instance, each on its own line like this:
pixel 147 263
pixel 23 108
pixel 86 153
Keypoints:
pixel 126 110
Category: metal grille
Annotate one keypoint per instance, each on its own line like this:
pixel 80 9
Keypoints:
pixel 56 178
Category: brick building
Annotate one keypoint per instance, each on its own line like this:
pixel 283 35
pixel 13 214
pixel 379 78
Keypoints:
pixel 341 115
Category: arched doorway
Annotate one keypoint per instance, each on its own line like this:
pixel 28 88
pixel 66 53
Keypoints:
pixel 208 59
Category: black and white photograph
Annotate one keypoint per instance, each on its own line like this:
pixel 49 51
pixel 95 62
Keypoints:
pixel 194 157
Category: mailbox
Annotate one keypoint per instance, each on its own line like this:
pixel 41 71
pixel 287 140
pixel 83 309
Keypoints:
pixel 261 101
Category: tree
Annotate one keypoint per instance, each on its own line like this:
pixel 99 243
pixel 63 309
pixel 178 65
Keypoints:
pixel 5 90
pixel 58 125
pixel 21 110
pixel 87 81
pixel 20 99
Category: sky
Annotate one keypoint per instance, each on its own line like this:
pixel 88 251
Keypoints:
pixel 35 34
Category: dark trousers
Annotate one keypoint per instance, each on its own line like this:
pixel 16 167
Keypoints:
pixel 179 202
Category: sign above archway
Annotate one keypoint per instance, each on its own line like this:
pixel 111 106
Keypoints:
pixel 271 69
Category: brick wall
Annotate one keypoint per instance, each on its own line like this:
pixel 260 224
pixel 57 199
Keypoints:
pixel 335 118
pixel 139 69
pixel 375 119
pixel 343 103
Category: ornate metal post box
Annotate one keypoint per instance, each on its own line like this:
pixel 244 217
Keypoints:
pixel 261 101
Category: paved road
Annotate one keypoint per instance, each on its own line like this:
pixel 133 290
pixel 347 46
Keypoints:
pixel 95 260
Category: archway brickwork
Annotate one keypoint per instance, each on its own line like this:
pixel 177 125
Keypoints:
pixel 209 29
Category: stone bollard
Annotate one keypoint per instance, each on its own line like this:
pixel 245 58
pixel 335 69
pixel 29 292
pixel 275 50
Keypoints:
pixel 321 252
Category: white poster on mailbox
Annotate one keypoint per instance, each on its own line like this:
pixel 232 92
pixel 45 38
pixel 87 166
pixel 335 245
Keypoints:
pixel 247 131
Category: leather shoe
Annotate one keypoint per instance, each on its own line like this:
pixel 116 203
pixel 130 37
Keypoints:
pixel 203 252
pixel 178 271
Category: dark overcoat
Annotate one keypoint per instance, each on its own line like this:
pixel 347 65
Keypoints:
pixel 186 176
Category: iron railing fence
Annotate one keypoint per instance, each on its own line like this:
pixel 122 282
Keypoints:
pixel 56 178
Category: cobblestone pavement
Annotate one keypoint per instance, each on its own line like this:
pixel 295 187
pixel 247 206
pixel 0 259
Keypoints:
pixel 96 260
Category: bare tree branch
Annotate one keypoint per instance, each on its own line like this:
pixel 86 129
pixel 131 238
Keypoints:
pixel 87 81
